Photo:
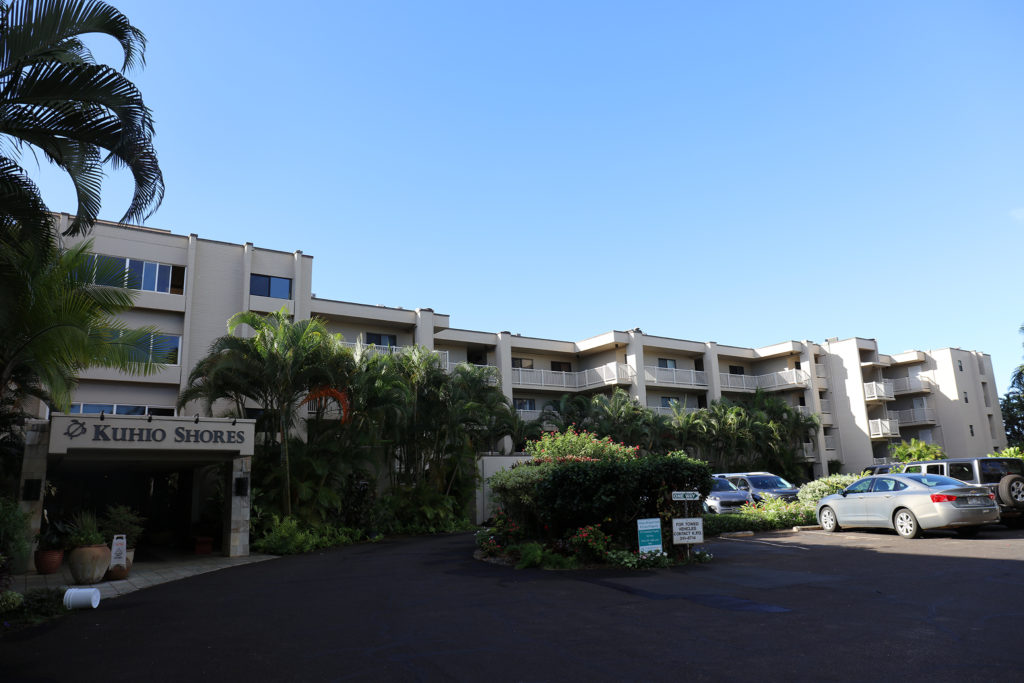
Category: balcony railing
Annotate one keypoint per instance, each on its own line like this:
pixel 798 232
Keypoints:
pixel 830 443
pixel 667 410
pixel 675 376
pixel 878 391
pixel 610 373
pixel 803 410
pixel 826 406
pixel 393 351
pixel 914 416
pixel 774 380
pixel 885 428
pixel 910 385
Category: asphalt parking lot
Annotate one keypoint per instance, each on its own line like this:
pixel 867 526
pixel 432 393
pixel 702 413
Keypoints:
pixel 858 605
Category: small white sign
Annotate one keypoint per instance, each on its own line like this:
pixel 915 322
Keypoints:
pixel 687 530
pixel 686 495
pixel 119 552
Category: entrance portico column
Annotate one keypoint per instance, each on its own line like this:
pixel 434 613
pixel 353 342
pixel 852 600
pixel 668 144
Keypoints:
pixel 236 513
pixel 31 488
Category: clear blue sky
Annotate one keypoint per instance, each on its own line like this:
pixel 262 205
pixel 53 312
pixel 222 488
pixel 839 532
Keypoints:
pixel 743 172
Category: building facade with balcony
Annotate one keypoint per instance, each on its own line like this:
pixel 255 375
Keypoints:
pixel 864 399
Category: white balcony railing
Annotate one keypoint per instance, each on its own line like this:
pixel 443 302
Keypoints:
pixel 884 428
pixel 393 350
pixel 773 380
pixel 675 376
pixel 604 375
pixel 878 391
pixel 826 406
pixel 909 385
pixel 667 410
pixel 914 416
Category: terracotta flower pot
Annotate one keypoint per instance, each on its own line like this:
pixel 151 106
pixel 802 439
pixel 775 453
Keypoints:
pixel 119 573
pixel 89 563
pixel 49 561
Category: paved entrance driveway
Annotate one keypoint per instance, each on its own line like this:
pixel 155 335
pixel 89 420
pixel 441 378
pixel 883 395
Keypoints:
pixel 803 606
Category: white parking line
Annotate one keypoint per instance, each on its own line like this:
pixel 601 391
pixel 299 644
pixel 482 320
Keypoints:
pixel 777 545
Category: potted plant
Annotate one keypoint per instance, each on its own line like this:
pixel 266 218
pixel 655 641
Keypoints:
pixel 121 519
pixel 90 558
pixel 51 542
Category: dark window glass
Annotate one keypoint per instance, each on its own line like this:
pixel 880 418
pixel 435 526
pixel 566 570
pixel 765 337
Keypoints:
pixel 524 363
pixel 259 285
pixel 169 346
pixel 702 401
pixel 526 404
pixel 698 364
pixel 933 469
pixel 97 408
pixel 280 288
pixel 135 273
pixel 177 280
pixel 862 486
pixel 378 339
pixel 167 412
pixel 561 366
pixel 667 363
pixel 110 271
pixel 736 370
pixel 130 410
pixel 796 365
pixel 163 278
pixel 961 470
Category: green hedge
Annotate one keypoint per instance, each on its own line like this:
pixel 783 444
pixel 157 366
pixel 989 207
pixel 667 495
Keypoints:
pixel 552 500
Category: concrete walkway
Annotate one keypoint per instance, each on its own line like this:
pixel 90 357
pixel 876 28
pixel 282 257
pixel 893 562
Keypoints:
pixel 143 575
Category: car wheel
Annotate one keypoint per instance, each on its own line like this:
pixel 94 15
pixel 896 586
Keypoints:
pixel 968 531
pixel 827 520
pixel 906 523
pixel 1011 490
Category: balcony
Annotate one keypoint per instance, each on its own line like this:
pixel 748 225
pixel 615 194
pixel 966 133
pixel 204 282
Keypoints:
pixel 604 375
pixel 826 406
pixel 914 416
pixel 667 410
pixel 884 429
pixel 878 391
pixel 821 370
pixel 831 442
pixel 912 385
pixel 674 377
pixel 393 351
pixel 773 381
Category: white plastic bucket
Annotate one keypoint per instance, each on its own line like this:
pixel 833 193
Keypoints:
pixel 81 598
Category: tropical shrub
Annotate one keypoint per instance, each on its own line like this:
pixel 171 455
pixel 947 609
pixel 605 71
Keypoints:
pixel 813 491
pixel 573 446
pixel 590 544
pixel 13 530
pixel 916 450
pixel 10 600
pixel 628 559
pixel 1011 452
pixel 37 605
pixel 289 537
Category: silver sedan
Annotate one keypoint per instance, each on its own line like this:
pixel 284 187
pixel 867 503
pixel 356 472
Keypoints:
pixel 909 503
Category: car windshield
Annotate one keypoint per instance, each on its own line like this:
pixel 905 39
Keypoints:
pixel 722 485
pixel 770 483
pixel 933 480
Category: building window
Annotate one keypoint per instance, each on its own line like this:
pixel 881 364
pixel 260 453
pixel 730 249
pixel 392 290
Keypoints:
pixel 972 429
pixel 702 401
pixel 381 339
pixel 698 364
pixel 736 370
pixel 526 404
pixel 148 276
pixel 119 409
pixel 802 400
pixel 667 401
pixel 796 365
pixel 271 286
pixel 965 398
pixel 960 364
pixel 524 363
pixel 667 363
pixel 561 366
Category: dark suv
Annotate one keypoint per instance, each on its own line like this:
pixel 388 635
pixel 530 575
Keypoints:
pixel 1003 476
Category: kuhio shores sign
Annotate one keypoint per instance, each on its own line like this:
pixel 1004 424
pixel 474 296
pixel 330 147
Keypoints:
pixel 140 432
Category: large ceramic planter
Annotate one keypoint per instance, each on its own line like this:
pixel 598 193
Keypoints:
pixel 89 563
pixel 48 561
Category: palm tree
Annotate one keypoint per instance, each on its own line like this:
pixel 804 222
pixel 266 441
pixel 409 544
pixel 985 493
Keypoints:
pixel 276 368
pixel 55 99
pixel 57 322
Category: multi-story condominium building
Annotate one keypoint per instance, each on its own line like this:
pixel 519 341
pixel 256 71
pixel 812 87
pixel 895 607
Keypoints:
pixel 865 399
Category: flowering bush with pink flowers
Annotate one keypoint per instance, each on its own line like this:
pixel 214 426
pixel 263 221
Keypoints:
pixel 573 446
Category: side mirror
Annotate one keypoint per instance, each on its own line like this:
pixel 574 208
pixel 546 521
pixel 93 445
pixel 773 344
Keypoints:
pixel 843 493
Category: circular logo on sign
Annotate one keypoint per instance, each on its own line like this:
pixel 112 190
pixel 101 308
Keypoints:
pixel 75 428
